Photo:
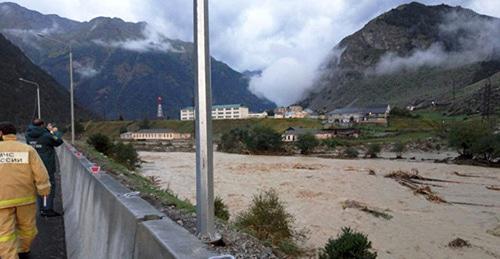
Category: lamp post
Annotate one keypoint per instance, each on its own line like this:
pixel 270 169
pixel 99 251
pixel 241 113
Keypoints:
pixel 71 87
pixel 204 145
pixel 37 94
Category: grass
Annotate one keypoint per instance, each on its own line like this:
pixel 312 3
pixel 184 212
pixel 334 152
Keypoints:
pixel 136 181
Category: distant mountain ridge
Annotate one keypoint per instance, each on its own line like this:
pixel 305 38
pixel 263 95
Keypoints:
pixel 411 55
pixel 18 100
pixel 121 67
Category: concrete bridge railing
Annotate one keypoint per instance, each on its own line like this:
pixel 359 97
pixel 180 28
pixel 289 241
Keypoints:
pixel 103 219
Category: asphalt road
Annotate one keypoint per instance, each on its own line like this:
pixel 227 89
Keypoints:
pixel 49 242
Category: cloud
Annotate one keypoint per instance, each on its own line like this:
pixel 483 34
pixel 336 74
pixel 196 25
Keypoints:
pixel 85 70
pixel 30 36
pixel 477 41
pixel 152 40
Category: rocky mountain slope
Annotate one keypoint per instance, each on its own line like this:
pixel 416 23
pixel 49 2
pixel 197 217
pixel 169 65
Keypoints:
pixel 18 100
pixel 121 67
pixel 412 55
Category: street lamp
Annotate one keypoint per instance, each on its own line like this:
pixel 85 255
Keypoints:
pixel 37 94
pixel 71 90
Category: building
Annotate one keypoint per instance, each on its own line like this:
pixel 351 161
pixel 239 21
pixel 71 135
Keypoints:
pixel 155 134
pixel 293 133
pixel 219 112
pixel 353 115
pixel 290 112
pixel 257 115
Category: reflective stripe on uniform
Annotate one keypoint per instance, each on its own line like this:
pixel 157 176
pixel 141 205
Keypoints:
pixel 17 201
pixel 29 233
pixel 7 238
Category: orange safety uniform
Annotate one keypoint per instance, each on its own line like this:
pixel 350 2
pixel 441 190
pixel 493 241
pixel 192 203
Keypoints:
pixel 22 176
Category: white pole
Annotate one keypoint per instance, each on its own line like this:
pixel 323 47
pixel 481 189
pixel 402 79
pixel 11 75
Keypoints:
pixel 38 98
pixel 203 117
pixel 71 95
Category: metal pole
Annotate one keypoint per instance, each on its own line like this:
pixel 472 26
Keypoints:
pixel 71 94
pixel 204 146
pixel 38 98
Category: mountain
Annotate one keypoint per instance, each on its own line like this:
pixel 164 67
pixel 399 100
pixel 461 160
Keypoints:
pixel 412 55
pixel 18 100
pixel 121 67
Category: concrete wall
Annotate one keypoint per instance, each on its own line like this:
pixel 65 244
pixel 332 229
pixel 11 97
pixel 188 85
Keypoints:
pixel 103 220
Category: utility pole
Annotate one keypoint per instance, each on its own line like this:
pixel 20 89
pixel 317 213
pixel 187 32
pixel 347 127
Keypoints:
pixel 37 94
pixel 203 117
pixel 486 112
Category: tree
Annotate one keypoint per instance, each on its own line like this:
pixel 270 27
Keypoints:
pixel 399 148
pixel 101 143
pixel 234 141
pixel 126 155
pixel 373 150
pixel 306 143
pixel 486 147
pixel 263 139
pixel 145 124
pixel 463 135
pixel 351 152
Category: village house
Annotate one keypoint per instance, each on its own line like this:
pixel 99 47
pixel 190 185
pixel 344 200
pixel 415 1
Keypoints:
pixel 292 134
pixel 219 112
pixel 355 115
pixel 155 134
pixel 290 112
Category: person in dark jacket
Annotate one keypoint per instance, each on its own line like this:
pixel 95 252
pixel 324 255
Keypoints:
pixel 44 140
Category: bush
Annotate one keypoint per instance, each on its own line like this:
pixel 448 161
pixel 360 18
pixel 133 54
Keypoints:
pixel 351 152
pixel 234 141
pixel 486 147
pixel 306 143
pixel 331 143
pixel 463 136
pixel 253 140
pixel 399 148
pixel 267 219
pixel 126 155
pixel 221 210
pixel 145 124
pixel 101 143
pixel 348 244
pixel 401 112
pixel 263 139
pixel 373 150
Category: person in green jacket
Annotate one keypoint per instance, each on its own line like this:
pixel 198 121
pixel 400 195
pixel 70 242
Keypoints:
pixel 44 140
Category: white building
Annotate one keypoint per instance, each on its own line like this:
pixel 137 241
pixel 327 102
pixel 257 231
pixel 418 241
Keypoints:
pixel 155 134
pixel 257 115
pixel 220 112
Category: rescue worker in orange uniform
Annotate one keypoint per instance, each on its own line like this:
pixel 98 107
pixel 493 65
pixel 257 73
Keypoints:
pixel 23 176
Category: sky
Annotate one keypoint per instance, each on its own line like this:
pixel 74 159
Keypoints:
pixel 286 39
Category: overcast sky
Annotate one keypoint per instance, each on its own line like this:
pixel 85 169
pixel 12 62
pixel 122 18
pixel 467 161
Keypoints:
pixel 287 39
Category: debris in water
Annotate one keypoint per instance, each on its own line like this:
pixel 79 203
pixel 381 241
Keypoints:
pixel 363 207
pixel 458 243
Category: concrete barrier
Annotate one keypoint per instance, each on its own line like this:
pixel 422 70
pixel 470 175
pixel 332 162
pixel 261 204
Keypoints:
pixel 103 219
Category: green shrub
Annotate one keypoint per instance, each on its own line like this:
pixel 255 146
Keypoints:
pixel 464 135
pixel 401 112
pixel 306 143
pixel 348 245
pixel 126 155
pixel 486 147
pixel 263 139
pixel 234 141
pixel 220 209
pixel 351 152
pixel 373 150
pixel 331 143
pixel 101 143
pixel 254 140
pixel 399 148
pixel 267 219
